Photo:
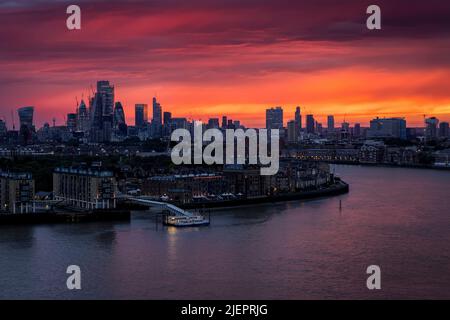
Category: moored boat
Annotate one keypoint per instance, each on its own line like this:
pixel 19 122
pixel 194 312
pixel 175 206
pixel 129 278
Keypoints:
pixel 186 221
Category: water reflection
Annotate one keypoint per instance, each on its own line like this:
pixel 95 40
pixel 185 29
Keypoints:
pixel 17 237
pixel 396 218
pixel 107 238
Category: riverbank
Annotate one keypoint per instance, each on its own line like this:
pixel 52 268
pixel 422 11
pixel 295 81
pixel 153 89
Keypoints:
pixel 340 187
pixel 389 165
pixel 66 217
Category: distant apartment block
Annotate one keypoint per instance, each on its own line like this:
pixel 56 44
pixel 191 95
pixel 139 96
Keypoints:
pixel 141 115
pixel 293 131
pixel 387 128
pixel 274 118
pixel 16 192
pixel 85 188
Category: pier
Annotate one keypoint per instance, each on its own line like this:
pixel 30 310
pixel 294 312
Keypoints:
pixel 176 216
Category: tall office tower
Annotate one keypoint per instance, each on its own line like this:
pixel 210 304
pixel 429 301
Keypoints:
pixel 387 128
pixel 96 109
pixel 357 130
pixel 224 122
pixel 274 118
pixel 107 92
pixel 298 119
pixel 156 127
pixel 444 130
pixel 310 124
pixel 83 124
pixel 157 112
pixel 330 126
pixel 26 124
pixel 179 123
pixel 319 128
pixel 167 126
pixel 213 123
pixel 119 114
pixel 167 118
pixel 345 126
pixel 3 128
pixel 141 115
pixel 71 122
pixel 431 128
pixel 96 118
pixel 345 130
pixel 292 128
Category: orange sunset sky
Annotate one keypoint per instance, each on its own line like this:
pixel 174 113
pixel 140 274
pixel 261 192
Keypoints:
pixel 208 58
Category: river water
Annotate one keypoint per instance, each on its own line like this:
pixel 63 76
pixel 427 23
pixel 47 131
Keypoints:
pixel 398 219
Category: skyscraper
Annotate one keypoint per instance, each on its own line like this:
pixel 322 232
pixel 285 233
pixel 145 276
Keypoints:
pixel 141 115
pixel 156 126
pixel 96 109
pixel 106 90
pixel 431 129
pixel 26 124
pixel 224 122
pixel 444 130
pixel 83 118
pixel 3 129
pixel 345 126
pixel 274 118
pixel 387 128
pixel 157 112
pixel 292 128
pixel 119 114
pixel 26 116
pixel 357 130
pixel 96 118
pixel 298 120
pixel 102 112
pixel 167 118
pixel 310 124
pixel 213 123
pixel 330 125
pixel 71 122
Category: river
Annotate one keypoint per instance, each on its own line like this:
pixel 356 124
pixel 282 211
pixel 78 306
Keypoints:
pixel 398 219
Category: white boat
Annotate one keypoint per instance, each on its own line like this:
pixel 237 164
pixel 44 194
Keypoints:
pixel 186 221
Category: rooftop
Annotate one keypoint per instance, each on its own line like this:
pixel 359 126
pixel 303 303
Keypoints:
pixel 91 172
pixel 16 175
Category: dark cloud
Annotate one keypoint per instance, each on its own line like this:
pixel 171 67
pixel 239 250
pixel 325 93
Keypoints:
pixel 213 41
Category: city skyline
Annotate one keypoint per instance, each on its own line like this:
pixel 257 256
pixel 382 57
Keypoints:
pixel 208 59
pixel 274 118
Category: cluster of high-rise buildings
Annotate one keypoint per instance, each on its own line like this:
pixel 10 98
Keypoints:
pixel 381 128
pixel 296 130
pixel 102 120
